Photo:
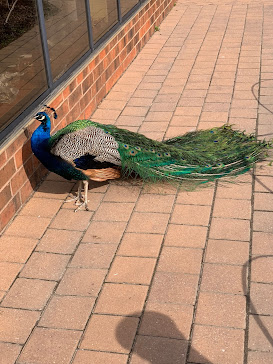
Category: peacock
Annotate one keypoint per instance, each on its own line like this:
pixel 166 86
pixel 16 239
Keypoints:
pixel 86 150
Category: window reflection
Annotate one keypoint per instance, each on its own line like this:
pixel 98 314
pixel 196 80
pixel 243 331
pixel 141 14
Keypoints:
pixel 104 14
pixel 67 36
pixel 22 73
pixel 127 5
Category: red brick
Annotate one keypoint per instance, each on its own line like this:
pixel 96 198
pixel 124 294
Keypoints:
pixel 7 172
pixel 5 196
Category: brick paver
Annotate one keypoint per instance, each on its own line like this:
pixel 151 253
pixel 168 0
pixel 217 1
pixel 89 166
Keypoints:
pixel 152 274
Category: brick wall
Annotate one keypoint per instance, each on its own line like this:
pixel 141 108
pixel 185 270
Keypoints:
pixel 20 171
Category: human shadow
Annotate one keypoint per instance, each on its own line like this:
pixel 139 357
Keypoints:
pixel 159 341
pixel 251 306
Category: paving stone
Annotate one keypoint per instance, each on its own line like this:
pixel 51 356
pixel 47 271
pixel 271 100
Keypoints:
pixel 49 346
pixel 93 256
pixel 159 350
pixel 191 215
pixel 68 220
pixel 234 209
pixel 222 278
pixel 16 249
pixel 155 203
pixel 169 287
pixel 217 345
pixel 214 309
pixel 261 268
pixel 104 232
pixel 121 194
pixel 203 197
pixel 9 352
pixel 8 273
pixel 258 357
pixel 147 222
pixel 59 241
pixel 140 245
pixel 81 282
pixel 263 221
pixel 109 211
pixel 121 299
pixel 16 325
pixel 227 252
pixel 45 266
pixel 98 357
pixel 180 260
pixel 166 320
pixel 53 189
pixel 186 236
pixel 28 226
pixel 131 270
pixel 41 207
pixel 110 333
pixel 230 229
pixel 262 243
pixel 67 312
pixel 258 340
pixel 261 296
pixel 30 294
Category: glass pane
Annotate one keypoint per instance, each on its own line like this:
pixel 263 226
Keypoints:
pixel 127 5
pixel 22 73
pixel 104 15
pixel 67 36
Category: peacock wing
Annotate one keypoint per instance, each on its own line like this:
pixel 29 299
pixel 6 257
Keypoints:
pixel 89 141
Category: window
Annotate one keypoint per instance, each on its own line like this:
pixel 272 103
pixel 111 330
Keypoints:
pixel 22 71
pixel 42 42
pixel 67 34
pixel 127 5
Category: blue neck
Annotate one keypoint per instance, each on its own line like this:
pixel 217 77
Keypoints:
pixel 40 137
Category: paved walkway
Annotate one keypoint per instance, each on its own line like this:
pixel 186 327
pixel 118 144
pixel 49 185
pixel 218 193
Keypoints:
pixel 152 274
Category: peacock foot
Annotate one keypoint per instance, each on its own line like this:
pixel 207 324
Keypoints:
pixel 82 202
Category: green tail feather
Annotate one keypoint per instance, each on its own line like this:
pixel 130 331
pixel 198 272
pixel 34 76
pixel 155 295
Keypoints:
pixel 201 156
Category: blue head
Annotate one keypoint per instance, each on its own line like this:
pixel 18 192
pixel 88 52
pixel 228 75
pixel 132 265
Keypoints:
pixel 44 120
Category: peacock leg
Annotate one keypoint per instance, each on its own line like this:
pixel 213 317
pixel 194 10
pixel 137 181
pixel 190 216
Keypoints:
pixel 78 198
pixel 85 200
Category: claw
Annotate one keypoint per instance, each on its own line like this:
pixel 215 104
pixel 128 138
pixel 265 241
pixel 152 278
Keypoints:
pixel 83 201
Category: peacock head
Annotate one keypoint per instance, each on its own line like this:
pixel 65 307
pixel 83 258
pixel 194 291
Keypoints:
pixel 44 119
